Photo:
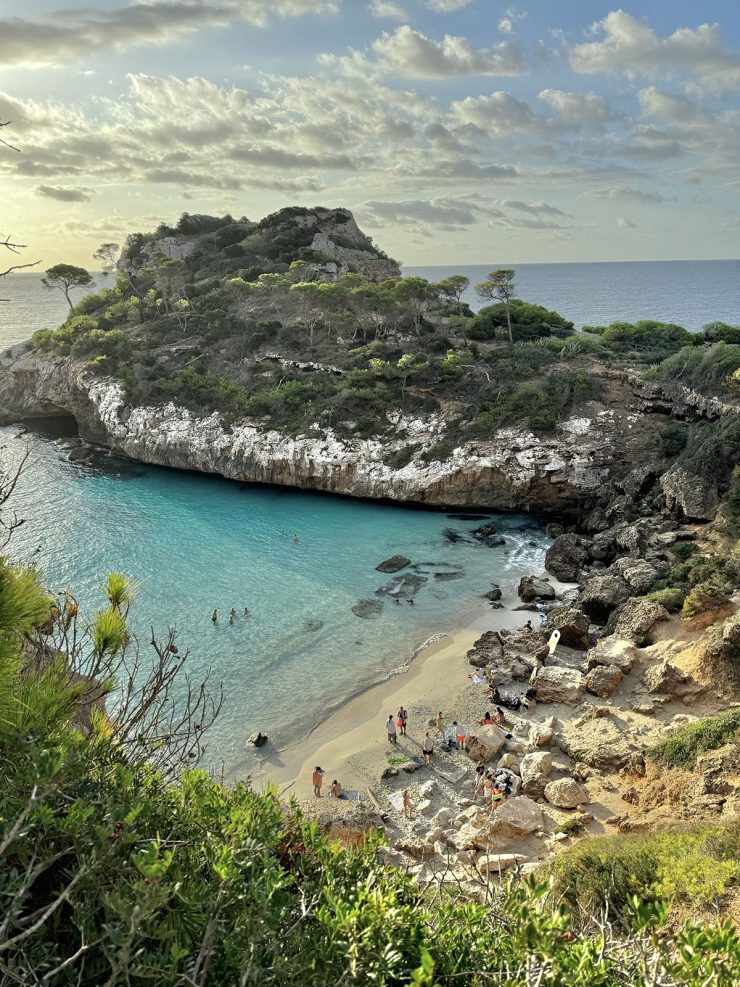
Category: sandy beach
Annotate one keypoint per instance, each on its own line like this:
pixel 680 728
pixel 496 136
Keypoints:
pixel 351 744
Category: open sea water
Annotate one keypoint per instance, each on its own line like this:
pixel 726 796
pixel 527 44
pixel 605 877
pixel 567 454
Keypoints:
pixel 196 542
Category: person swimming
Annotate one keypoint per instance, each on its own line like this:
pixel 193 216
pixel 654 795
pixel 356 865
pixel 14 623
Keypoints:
pixel 214 616
pixel 246 611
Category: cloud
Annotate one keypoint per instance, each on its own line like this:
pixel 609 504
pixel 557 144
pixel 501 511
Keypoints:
pixel 385 8
pixel 626 193
pixel 577 109
pixel 438 212
pixel 65 193
pixel 67 34
pixel 631 46
pixel 536 208
pixel 668 106
pixel 446 6
pixel 626 224
pixel 498 113
pixel 416 56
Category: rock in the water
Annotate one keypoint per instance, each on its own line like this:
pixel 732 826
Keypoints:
pixel 558 684
pixel 444 577
pixel 566 793
pixel 517 817
pixel 258 739
pixel 313 625
pixel 406 585
pixel 494 595
pixel 531 588
pixel 369 609
pixel 572 624
pixel 636 618
pixel 484 743
pixel 601 595
pixel 494 863
pixel 603 680
pixel 566 557
pixel 393 564
pixel 488 535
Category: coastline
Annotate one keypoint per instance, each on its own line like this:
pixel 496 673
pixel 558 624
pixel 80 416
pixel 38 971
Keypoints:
pixel 350 743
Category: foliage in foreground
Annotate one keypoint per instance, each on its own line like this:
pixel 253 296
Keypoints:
pixel 686 743
pixel 112 874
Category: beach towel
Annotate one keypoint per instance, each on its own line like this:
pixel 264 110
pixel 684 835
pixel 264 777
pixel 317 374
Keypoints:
pixel 479 680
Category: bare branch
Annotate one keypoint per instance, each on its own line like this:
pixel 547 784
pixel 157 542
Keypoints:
pixel 6 123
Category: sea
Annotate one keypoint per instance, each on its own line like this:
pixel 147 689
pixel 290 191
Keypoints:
pixel 298 561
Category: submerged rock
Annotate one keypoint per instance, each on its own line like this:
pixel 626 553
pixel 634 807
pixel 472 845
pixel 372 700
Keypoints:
pixel 369 609
pixel 393 564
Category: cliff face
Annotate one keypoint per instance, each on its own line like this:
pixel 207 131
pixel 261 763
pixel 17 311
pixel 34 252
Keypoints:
pixel 567 472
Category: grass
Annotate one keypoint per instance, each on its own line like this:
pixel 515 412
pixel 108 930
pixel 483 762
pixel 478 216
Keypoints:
pixel 682 748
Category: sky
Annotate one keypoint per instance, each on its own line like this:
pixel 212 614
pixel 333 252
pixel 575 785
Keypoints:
pixel 457 131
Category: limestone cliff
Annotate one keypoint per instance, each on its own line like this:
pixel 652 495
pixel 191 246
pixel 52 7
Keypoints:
pixel 566 472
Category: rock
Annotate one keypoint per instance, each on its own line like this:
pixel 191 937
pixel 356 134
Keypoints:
pixel 389 773
pixel 603 680
pixel 391 858
pixel 488 535
pixel 566 557
pixel 494 863
pixel 531 588
pixel 368 609
pixel 410 767
pixel 483 745
pixel 428 788
pixel 405 586
pixel 313 625
pixel 393 564
pixel 414 847
pixel 666 678
pixel 494 595
pixel 535 785
pixel 557 684
pixel 636 618
pixel 637 573
pixel 517 817
pixel 425 807
pixel 553 529
pixel 611 651
pixel 573 626
pixel 533 764
pixel 565 793
pixel 435 834
pixel 509 761
pixel 690 496
pixel 637 482
pixel 601 595
pixel 258 739
pixel 541 735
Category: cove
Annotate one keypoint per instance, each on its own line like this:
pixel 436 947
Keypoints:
pixel 196 542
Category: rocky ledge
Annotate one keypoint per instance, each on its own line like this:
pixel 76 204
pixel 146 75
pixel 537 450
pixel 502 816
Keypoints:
pixel 568 472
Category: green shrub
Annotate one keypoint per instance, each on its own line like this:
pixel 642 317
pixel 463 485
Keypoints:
pixel 684 550
pixel 682 747
pixel 711 594
pixel 673 439
pixel 671 598
pixel 704 368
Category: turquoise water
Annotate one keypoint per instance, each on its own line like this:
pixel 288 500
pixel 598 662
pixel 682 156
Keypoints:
pixel 196 542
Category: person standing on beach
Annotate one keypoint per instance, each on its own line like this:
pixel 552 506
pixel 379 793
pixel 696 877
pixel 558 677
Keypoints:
pixel 440 724
pixel 403 716
pixel 428 748
pixel 317 779
pixel 408 807
pixel 390 727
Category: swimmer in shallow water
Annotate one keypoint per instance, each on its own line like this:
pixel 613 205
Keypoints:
pixel 214 616
pixel 246 612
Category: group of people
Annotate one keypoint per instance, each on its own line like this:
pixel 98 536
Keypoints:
pixel 495 785
pixel 398 725
pixel 232 615
pixel 317 778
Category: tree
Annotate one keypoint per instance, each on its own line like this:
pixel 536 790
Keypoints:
pixel 454 287
pixel 111 259
pixel 66 276
pixel 499 285
pixel 416 295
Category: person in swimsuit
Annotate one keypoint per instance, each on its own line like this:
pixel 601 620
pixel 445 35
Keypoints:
pixel 317 779
pixel 403 717
pixel 408 807
pixel 336 790
pixel 440 724
pixel 428 748
pixel 214 616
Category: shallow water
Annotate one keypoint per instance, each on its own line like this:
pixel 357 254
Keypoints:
pixel 196 542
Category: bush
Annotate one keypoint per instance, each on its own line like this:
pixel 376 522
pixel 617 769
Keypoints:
pixel 527 321
pixel 673 439
pixel 684 745
pixel 712 594
pixel 671 598
pixel 704 368
pixel 684 550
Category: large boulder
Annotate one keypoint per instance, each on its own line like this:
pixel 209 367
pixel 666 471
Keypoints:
pixel 566 557
pixel 637 482
pixel 611 651
pixel 690 496
pixel 636 618
pixel 601 595
pixel 483 745
pixel 531 588
pixel 665 679
pixel 558 684
pixel 572 624
pixel 494 863
pixel 519 816
pixel 535 769
pixel 603 680
pixel 637 573
pixel 566 793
